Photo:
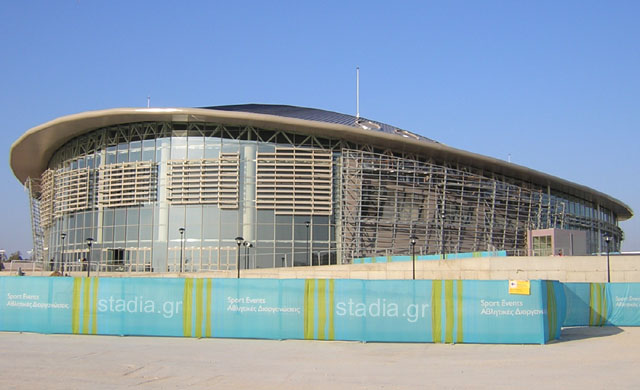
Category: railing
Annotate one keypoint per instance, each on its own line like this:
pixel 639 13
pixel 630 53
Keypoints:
pixel 19 266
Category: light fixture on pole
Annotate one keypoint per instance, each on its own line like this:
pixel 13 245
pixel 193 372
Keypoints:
pixel 89 244
pixel 181 230
pixel 239 241
pixel 62 237
pixel 307 223
pixel 413 255
pixel 607 240
pixel 247 245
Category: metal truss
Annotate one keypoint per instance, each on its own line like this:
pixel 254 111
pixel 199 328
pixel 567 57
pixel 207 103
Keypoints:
pixel 37 230
pixel 388 199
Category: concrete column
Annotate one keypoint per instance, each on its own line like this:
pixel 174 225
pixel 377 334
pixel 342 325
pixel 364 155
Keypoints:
pixel 248 203
pixel 160 260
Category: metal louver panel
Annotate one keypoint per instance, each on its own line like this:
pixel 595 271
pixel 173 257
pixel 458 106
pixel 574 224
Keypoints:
pixel 295 181
pixel 204 181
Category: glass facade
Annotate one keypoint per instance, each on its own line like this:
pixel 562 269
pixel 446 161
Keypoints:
pixel 296 199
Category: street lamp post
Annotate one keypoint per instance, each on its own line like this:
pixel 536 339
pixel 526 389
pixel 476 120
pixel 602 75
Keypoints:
pixel 89 244
pixel 307 223
pixel 62 237
pixel 181 230
pixel 413 255
pixel 607 240
pixel 239 241
pixel 247 245
pixel 444 256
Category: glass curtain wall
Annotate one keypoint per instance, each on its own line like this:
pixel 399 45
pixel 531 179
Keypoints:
pixel 145 235
pixel 133 187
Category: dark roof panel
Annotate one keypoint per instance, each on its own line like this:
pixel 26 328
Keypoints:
pixel 313 114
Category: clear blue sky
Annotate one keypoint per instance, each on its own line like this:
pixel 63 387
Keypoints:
pixel 553 84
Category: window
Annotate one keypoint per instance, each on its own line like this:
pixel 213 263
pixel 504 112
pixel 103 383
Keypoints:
pixel 542 246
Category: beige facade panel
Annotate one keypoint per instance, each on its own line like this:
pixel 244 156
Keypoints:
pixel 204 181
pixel 46 197
pixel 126 184
pixel 72 190
pixel 71 194
pixel 295 181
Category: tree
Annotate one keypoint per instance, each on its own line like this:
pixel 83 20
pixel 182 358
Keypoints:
pixel 15 256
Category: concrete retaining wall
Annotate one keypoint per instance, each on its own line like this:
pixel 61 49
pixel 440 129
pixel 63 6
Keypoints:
pixel 565 269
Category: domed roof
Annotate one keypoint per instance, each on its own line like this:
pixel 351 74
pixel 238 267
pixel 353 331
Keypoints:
pixel 30 154
pixel 314 114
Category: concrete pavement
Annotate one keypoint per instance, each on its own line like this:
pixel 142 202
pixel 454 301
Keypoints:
pixel 585 358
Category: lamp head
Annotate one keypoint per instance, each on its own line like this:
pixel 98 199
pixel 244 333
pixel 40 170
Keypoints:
pixel 181 230
pixel 239 240
pixel 89 242
pixel 63 235
pixel 307 223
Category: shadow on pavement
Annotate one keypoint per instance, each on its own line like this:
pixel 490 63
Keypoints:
pixel 587 332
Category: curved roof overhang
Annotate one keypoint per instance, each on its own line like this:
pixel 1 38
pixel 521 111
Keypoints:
pixel 31 153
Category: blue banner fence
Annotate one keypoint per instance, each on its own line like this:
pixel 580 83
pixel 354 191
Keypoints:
pixel 602 304
pixel 439 311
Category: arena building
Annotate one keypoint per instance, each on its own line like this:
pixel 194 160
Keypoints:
pixel 195 189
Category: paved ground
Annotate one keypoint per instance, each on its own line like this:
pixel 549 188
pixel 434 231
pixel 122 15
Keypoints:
pixel 585 358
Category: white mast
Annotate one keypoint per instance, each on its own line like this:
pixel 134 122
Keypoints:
pixel 357 92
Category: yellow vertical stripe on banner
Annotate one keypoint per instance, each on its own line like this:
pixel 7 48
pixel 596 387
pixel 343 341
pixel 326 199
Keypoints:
pixel 600 304
pixel 207 326
pixel 309 285
pixel 599 301
pixel 94 307
pixel 602 307
pixel 597 304
pixel 322 308
pixel 604 304
pixel 332 331
pixel 199 306
pixel 75 306
pixel 186 306
pixel 459 333
pixel 448 301
pixel 591 303
pixel 436 310
pixel 551 310
pixel 555 312
pixel 86 309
